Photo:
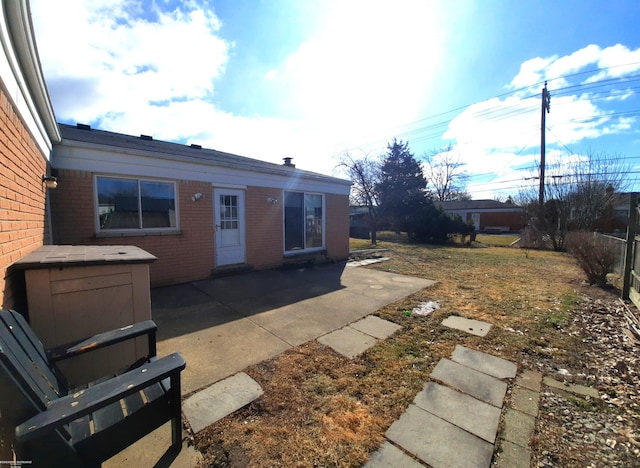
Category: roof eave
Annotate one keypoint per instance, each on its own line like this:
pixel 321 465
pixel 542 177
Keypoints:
pixel 23 37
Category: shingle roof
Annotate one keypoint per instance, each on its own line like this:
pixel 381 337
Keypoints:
pixel 475 205
pixel 176 151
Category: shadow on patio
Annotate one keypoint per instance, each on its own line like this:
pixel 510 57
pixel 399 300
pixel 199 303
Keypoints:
pixel 189 307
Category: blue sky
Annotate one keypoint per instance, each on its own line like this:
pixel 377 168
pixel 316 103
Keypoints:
pixel 314 79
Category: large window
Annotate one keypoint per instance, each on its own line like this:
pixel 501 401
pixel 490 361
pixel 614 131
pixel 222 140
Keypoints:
pixel 303 223
pixel 125 204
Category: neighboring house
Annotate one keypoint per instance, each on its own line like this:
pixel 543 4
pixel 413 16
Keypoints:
pixel 198 210
pixel 487 215
pixel 616 218
pixel 27 130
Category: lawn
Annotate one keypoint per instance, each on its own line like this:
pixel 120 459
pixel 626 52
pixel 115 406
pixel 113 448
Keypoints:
pixel 322 409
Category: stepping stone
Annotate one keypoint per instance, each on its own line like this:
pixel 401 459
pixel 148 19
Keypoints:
pixel 219 400
pixel 513 456
pixel 438 442
pixel 470 381
pixel 573 388
pixel 348 341
pixel 464 411
pixel 530 380
pixel 376 327
pixel 518 427
pixel 390 455
pixel 525 400
pixel 475 327
pixel 486 363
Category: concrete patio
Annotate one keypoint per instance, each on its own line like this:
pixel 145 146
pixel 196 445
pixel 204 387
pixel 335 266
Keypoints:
pixel 223 325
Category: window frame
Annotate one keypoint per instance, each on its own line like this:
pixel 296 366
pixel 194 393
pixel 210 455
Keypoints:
pixel 139 230
pixel 304 230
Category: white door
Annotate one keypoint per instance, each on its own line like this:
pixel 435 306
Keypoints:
pixel 475 218
pixel 229 218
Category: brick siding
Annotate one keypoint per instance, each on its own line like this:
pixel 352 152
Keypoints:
pixel 265 227
pixel 337 225
pixel 22 201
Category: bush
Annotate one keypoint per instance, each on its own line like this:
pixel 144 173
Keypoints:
pixel 595 256
pixel 430 224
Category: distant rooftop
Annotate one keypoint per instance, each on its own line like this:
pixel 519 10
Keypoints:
pixel 475 205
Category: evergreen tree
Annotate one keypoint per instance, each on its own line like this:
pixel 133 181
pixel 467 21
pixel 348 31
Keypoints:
pixel 402 186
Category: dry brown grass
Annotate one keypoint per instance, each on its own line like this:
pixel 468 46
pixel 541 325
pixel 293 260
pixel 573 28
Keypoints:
pixel 322 409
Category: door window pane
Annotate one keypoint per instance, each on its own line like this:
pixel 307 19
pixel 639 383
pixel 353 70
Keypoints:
pixel 229 227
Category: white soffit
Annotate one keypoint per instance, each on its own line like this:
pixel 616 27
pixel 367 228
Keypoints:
pixel 90 158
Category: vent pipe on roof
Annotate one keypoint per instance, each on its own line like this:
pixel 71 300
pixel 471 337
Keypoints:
pixel 83 126
pixel 287 162
pixel 146 137
pixel 193 145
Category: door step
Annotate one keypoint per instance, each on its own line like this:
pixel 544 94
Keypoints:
pixel 226 270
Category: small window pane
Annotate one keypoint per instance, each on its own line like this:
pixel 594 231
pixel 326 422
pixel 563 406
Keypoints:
pixel 313 220
pixel 293 221
pixel 118 203
pixel 158 205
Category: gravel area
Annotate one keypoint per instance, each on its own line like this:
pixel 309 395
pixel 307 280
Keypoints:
pixel 574 430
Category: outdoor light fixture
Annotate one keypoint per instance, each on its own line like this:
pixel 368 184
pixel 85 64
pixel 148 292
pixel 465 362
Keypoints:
pixel 197 196
pixel 272 200
pixel 49 181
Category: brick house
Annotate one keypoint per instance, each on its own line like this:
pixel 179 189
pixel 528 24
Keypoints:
pixel 487 215
pixel 198 210
pixel 27 131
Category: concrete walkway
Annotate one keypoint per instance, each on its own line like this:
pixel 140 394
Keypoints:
pixel 454 420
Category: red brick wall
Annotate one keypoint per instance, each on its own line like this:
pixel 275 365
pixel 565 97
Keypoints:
pixel 265 231
pixel 183 257
pixel 337 226
pixel 22 201
pixel 514 220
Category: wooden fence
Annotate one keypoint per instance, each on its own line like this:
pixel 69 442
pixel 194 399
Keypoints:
pixel 631 274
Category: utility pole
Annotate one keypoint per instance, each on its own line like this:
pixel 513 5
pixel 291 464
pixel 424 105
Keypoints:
pixel 546 100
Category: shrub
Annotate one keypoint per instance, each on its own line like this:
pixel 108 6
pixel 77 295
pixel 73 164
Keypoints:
pixel 430 223
pixel 595 256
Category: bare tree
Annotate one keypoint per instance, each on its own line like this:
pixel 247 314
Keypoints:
pixel 444 171
pixel 578 192
pixel 364 173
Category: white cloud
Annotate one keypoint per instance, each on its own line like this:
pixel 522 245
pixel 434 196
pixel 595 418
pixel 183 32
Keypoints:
pixel 532 72
pixel 367 67
pixel 368 63
pixel 618 61
pixel 111 60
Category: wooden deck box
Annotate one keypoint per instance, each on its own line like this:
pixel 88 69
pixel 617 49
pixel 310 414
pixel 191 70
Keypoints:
pixel 77 291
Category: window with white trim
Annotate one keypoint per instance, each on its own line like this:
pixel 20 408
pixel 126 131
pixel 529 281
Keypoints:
pixel 135 204
pixel 303 221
